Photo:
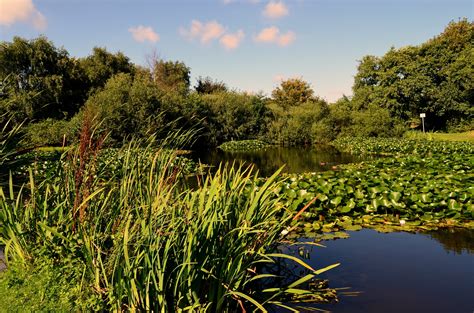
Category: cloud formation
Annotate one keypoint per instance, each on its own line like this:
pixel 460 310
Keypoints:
pixel 231 41
pixel 275 9
pixel 13 11
pixel 272 35
pixel 142 34
pixel 204 32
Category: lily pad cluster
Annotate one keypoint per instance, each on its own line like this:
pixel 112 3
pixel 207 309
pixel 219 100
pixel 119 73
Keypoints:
pixel 434 190
pixel 402 146
pixel 243 145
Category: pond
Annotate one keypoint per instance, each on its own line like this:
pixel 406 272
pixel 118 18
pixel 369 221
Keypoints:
pixel 268 160
pixel 399 272
pixel 395 272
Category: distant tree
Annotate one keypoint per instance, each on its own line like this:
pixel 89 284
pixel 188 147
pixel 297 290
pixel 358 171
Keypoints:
pixel 207 86
pixel 436 78
pixel 293 91
pixel 102 65
pixel 171 76
pixel 38 80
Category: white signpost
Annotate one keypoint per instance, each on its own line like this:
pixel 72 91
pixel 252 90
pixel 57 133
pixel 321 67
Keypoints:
pixel 423 115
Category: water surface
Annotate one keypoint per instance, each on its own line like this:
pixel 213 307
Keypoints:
pixel 400 272
pixel 268 160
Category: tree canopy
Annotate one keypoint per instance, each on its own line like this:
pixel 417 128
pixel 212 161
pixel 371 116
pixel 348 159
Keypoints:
pixel 436 78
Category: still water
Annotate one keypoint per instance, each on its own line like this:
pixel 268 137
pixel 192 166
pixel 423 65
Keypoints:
pixel 399 272
pixel 395 272
pixel 268 160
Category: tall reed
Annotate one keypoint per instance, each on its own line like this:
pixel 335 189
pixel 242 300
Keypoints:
pixel 145 242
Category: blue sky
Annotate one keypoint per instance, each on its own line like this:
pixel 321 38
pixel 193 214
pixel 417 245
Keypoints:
pixel 249 44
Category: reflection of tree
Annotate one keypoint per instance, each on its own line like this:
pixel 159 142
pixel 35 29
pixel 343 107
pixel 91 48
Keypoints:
pixel 296 159
pixel 455 240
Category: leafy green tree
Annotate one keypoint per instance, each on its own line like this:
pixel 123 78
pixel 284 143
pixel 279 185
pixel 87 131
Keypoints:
pixel 127 106
pixel 291 92
pixel 171 76
pixel 208 86
pixel 435 78
pixel 102 65
pixel 235 116
pixel 38 80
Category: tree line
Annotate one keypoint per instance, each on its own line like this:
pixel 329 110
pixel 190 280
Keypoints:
pixel 52 92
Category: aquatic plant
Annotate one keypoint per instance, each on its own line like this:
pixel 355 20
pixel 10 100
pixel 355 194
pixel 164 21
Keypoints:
pixel 243 145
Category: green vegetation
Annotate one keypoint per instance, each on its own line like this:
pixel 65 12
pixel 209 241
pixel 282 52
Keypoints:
pixel 465 136
pixel 50 92
pixel 243 145
pixel 402 146
pixel 129 236
pixel 435 191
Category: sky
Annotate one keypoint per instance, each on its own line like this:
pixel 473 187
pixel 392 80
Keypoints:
pixel 251 45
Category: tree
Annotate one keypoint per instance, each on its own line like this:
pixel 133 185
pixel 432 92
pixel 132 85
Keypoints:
pixel 171 76
pixel 38 80
pixel 208 86
pixel 102 65
pixel 127 106
pixel 292 92
pixel 435 78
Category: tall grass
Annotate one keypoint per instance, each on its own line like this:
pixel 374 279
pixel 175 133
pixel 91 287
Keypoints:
pixel 144 242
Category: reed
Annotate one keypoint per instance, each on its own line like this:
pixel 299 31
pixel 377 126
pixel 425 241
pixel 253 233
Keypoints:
pixel 145 242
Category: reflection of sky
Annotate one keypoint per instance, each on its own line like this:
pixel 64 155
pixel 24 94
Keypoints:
pixel 331 35
pixel 399 272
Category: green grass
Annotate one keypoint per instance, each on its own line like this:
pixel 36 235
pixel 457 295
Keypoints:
pixel 465 136
pixel 145 243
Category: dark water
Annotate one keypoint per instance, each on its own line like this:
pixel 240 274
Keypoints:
pixel 295 159
pixel 400 272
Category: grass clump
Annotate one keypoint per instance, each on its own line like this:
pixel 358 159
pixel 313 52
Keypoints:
pixel 143 242
pixel 243 145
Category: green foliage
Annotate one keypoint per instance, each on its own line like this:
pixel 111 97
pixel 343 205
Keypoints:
pixel 46 287
pixel 39 80
pixel 207 86
pixel 292 92
pixel 436 190
pixel 235 116
pixel 243 145
pixel 171 76
pixel 435 78
pixel 143 243
pixel 299 124
pixel 102 65
pixel 50 132
pixel 401 146
pixel 127 106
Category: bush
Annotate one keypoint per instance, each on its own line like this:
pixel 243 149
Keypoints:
pixel 50 133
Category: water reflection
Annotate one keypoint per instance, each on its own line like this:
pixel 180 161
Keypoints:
pixel 295 159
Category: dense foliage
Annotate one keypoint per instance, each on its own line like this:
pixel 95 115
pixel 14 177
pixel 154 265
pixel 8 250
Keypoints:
pixel 243 145
pixel 41 83
pixel 436 190
pixel 435 78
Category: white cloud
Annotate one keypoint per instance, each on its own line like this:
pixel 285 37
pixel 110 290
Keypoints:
pixel 142 34
pixel 272 35
pixel 205 32
pixel 13 11
pixel 232 41
pixel 275 9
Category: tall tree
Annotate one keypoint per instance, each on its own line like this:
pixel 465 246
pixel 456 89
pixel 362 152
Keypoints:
pixel 293 91
pixel 436 78
pixel 171 76
pixel 38 80
pixel 102 65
